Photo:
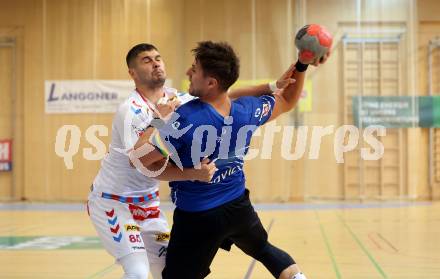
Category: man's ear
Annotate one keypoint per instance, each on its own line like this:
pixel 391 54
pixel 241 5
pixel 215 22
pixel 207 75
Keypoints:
pixel 212 82
pixel 131 72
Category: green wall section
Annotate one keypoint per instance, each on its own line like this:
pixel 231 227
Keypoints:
pixel 397 111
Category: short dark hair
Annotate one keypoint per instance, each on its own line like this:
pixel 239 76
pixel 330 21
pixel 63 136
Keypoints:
pixel 219 61
pixel 134 51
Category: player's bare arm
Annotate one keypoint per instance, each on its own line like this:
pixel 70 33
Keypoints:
pixel 261 89
pixel 287 98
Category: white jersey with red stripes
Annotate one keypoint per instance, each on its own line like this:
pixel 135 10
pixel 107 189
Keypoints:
pixel 116 176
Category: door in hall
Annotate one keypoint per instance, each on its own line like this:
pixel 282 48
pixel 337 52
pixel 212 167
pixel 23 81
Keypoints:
pixel 6 120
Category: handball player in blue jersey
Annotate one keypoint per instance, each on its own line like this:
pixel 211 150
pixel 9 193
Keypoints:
pixel 217 128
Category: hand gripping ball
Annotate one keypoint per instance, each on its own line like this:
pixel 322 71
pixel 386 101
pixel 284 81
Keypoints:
pixel 313 42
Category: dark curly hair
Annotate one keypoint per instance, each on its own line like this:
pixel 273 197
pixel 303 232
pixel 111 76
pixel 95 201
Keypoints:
pixel 219 61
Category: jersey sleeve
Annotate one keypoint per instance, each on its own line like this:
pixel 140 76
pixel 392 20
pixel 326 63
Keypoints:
pixel 262 108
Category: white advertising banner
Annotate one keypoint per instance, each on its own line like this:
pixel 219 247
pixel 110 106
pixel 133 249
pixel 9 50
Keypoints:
pixel 85 96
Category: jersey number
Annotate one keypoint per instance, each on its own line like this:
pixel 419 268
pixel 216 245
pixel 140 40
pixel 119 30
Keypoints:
pixel 135 238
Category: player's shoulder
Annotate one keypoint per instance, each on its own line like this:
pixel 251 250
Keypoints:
pixel 132 98
pixel 189 107
pixel 185 97
pixel 267 98
pixel 252 100
pixel 190 112
pixel 131 105
pixel 246 99
pixel 246 102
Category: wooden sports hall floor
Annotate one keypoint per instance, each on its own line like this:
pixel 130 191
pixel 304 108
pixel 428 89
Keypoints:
pixel 398 240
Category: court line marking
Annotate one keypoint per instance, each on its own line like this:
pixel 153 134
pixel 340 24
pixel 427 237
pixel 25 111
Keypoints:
pixel 370 236
pixel 327 244
pixel 388 242
pixel 254 261
pixel 359 242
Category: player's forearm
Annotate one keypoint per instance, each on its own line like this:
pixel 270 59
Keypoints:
pixel 255 91
pixel 145 137
pixel 292 93
pixel 171 172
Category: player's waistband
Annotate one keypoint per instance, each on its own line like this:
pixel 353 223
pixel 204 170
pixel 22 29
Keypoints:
pixel 133 200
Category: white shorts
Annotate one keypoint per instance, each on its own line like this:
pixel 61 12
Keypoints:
pixel 126 228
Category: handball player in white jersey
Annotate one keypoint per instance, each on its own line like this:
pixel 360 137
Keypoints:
pixel 124 203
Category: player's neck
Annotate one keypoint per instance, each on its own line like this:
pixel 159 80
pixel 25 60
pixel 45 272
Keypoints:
pixel 151 94
pixel 220 102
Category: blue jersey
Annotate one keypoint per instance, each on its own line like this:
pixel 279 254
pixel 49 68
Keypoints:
pixel 198 131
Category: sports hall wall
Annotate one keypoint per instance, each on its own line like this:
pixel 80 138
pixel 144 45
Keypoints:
pixel 83 40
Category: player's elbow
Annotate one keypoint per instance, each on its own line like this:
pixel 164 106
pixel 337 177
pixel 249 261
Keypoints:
pixel 290 106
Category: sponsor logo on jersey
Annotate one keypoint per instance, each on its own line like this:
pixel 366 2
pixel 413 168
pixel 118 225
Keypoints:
pixel 227 173
pixel 141 213
pixel 266 109
pixel 132 228
pixel 138 130
pixel 176 125
pixel 257 112
pixel 162 237
pixel 162 251
pixel 136 111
